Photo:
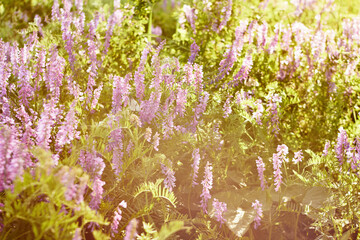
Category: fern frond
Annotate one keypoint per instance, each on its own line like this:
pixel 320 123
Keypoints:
pixel 157 191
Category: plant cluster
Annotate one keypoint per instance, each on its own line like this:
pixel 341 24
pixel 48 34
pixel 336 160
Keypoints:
pixel 179 120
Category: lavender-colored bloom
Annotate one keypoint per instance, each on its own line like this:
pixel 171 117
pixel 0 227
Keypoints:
pixel 181 101
pixel 156 141
pixel 227 108
pixel 55 73
pixel 129 147
pixel 275 39
pixel 96 194
pixel 244 71
pixel 326 148
pixel 67 131
pixel 130 233
pixel 259 111
pixel 342 145
pixel 298 157
pixel 220 208
pixel 261 168
pixel 207 185
pixel 230 56
pixel 261 35
pixel 195 165
pixel 170 179
pixel 139 76
pixel 148 133
pixel 117 218
pixel 26 91
pixel 96 97
pixel 47 120
pixel 190 14
pixel 277 171
pixel 259 213
pixel 282 152
pixel 149 108
pixel 121 92
pixel 55 14
pixel 194 49
pixel 225 15
pixel 273 100
pixel 116 145
pixel 11 157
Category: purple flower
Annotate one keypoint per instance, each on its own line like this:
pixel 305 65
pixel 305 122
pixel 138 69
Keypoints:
pixel 261 168
pixel 97 192
pixel 149 108
pixel 121 92
pixel 190 14
pixel 225 15
pixel 230 56
pixel 259 111
pixel 220 208
pixel 148 133
pixel 55 14
pixel 180 101
pixel 47 120
pixel 342 145
pixel 11 157
pixel 282 151
pixel 259 213
pixel 55 73
pixel 170 179
pixel 96 97
pixel 156 141
pixel 326 148
pixel 195 165
pixel 117 218
pixel 194 49
pixel 130 233
pixel 67 131
pixel 207 185
pixel 298 157
pixel 277 171
pixel 272 108
pixel 244 71
pixel 227 108
pixel 139 77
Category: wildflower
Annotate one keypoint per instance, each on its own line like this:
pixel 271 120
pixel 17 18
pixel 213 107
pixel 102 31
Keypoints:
pixel 156 141
pixel 148 132
pixel 230 56
pixel 149 108
pixel 11 157
pixel 326 148
pixel 282 152
pixel 190 14
pixel 298 157
pixel 97 192
pixel 259 213
pixel 225 18
pixel 259 112
pixel 195 165
pixel 67 131
pixel 261 168
pixel 130 233
pixel 277 171
pixel 227 108
pixel 342 145
pixel 170 179
pixel 194 49
pixel 121 92
pixel 117 218
pixel 244 71
pixel 180 101
pixel 220 208
pixel 207 185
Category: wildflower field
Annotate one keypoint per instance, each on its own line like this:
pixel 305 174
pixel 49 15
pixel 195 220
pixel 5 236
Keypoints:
pixel 193 119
